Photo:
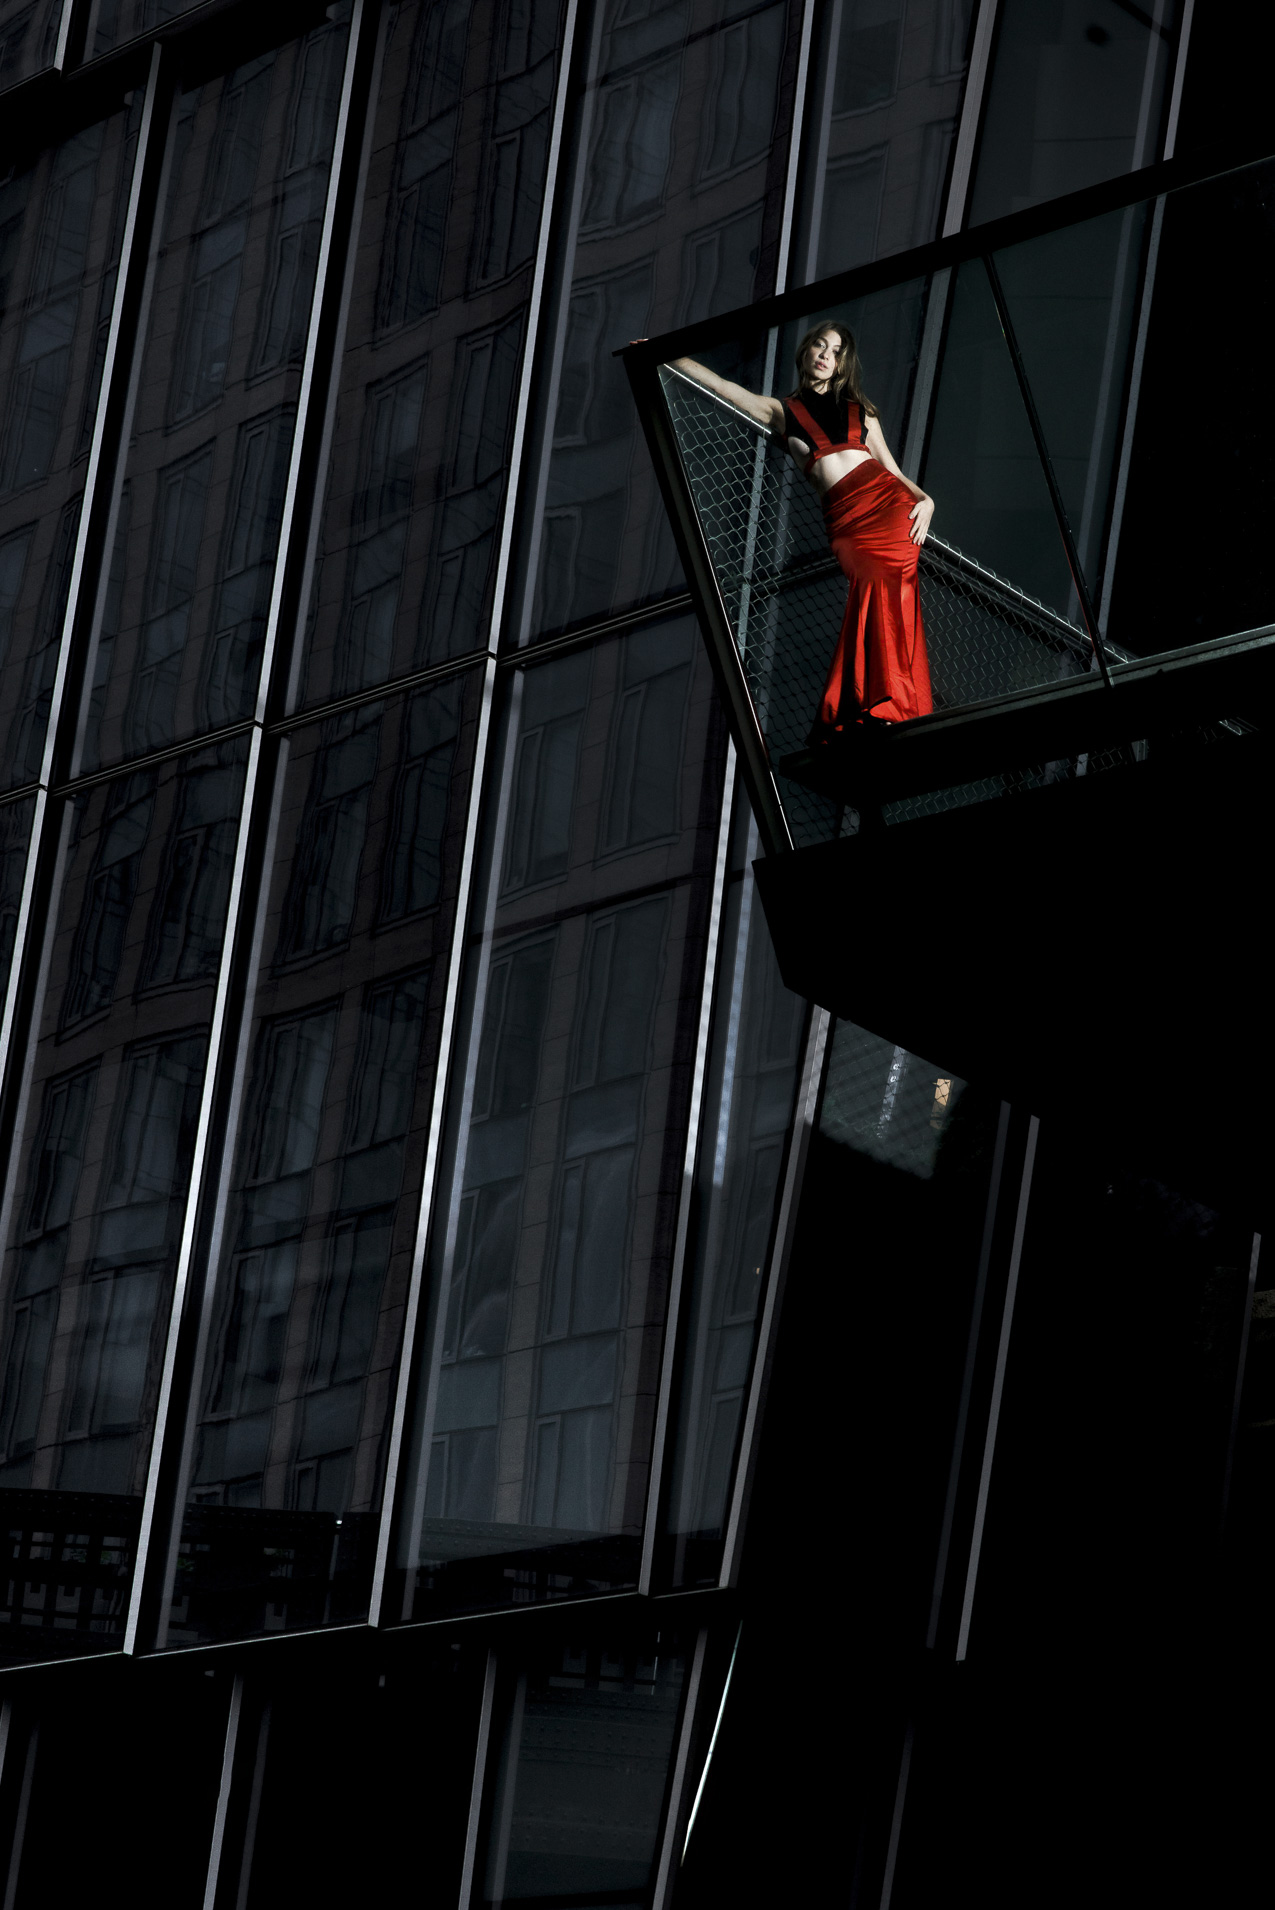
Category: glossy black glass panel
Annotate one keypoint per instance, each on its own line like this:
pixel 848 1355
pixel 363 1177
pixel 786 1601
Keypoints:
pixel 97 1183
pixel 66 1824
pixel 28 38
pixel 318 1220
pixel 61 218
pixel 888 80
pixel 364 1780
pixel 981 466
pixel 1186 574
pixel 1077 92
pixel 437 328
pixel 1116 1444
pixel 556 1208
pixel 179 649
pixel 675 214
pixel 868 1362
pixel 748 1106
pixel 1073 300
pixel 582 1769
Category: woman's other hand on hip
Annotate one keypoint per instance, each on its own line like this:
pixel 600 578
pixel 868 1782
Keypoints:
pixel 921 513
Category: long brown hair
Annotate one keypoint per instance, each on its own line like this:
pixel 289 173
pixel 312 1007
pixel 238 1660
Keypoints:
pixel 847 379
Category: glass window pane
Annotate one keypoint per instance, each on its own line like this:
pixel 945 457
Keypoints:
pixel 435 340
pixel 576 1809
pixel 555 1216
pixel 866 1378
pixel 73 1818
pixel 1159 602
pixel 28 38
pixel 756 1056
pixel 98 1181
pixel 389 1759
pixel 61 222
pixel 981 467
pixel 113 22
pixel 1072 298
pixel 1077 93
pixel 320 1215
pixel 677 212
pixel 888 80
pixel 1114 1446
pixel 193 562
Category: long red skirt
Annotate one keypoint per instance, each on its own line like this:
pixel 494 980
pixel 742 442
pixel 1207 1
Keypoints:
pixel 879 666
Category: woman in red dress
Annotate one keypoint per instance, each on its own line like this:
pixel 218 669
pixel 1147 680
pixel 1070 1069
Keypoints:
pixel 876 521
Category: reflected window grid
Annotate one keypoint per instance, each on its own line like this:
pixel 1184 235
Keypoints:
pixel 320 1211
pixel 553 1245
pixel 679 215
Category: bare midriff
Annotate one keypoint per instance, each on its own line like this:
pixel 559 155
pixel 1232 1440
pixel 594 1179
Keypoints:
pixel 831 469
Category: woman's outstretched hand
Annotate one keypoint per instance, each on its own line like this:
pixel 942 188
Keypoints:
pixel 921 513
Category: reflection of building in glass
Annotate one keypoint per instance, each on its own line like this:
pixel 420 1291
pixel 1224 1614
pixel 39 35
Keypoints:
pixel 496 1387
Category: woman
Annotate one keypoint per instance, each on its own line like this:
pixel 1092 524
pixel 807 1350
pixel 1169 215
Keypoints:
pixel 876 521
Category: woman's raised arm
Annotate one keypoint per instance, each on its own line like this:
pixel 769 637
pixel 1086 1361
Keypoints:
pixel 767 411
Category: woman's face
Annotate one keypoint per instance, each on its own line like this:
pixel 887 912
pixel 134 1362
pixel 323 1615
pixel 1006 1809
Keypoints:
pixel 821 357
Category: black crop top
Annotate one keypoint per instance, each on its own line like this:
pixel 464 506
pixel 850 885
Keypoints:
pixel 839 425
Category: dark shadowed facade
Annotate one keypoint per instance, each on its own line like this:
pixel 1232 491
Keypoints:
pixel 501 1397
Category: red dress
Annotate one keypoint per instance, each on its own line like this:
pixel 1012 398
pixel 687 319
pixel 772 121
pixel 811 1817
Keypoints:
pixel 879 666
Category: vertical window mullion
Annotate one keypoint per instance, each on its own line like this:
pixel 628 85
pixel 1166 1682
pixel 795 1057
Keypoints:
pixel 712 955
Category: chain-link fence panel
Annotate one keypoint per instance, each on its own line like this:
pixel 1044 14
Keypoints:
pixel 885 1102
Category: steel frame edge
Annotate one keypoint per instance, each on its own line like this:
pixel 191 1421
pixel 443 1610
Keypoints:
pixel 710 607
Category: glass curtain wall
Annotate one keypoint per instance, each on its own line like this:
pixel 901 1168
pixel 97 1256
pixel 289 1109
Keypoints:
pixel 603 803
pixel 331 965
pixel 294 893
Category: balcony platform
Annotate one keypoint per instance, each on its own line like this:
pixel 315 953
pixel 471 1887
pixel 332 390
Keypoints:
pixel 1228 680
pixel 1099 947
